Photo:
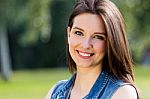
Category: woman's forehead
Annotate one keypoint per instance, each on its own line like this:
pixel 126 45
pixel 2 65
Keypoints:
pixel 89 22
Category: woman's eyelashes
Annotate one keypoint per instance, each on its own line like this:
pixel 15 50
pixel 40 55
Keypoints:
pixel 99 37
pixel 78 33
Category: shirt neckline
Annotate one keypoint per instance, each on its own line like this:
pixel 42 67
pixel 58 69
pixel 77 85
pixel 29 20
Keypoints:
pixel 96 88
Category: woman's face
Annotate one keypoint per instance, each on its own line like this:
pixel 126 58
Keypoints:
pixel 87 40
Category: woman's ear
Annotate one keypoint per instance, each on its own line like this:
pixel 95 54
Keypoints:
pixel 68 32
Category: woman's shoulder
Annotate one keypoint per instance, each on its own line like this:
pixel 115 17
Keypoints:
pixel 121 89
pixel 125 92
pixel 62 86
pixel 57 86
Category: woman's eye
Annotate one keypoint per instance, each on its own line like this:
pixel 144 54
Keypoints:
pixel 78 33
pixel 99 37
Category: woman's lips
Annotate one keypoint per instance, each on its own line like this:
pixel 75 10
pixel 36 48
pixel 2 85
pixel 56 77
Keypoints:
pixel 85 55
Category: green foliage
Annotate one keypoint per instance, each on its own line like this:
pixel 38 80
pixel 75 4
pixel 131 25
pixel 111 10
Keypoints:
pixel 38 22
pixel 136 13
pixel 35 84
pixel 37 29
pixel 35 14
pixel 60 10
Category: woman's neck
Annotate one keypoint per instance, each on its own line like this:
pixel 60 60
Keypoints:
pixel 85 79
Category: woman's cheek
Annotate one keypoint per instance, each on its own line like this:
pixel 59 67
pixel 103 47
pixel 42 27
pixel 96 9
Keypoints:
pixel 100 46
pixel 73 41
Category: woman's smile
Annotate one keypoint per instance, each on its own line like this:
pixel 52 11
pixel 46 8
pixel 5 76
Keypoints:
pixel 84 55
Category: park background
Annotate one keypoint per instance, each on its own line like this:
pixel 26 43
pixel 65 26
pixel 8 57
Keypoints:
pixel 32 45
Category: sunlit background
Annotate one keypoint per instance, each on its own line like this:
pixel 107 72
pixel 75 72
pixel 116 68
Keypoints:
pixel 32 45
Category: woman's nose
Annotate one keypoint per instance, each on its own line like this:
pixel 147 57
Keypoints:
pixel 86 44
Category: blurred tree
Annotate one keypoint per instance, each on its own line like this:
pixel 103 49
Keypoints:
pixel 141 30
pixel 60 10
pixel 4 46
pixel 4 53
pixel 36 31
pixel 136 13
pixel 31 48
pixel 33 13
pixel 37 18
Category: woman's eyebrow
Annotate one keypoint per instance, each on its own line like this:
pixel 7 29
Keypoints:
pixel 102 33
pixel 78 28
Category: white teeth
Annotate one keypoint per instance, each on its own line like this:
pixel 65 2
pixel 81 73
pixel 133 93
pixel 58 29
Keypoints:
pixel 84 54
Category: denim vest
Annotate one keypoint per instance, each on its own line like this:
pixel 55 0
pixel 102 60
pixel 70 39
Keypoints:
pixel 104 87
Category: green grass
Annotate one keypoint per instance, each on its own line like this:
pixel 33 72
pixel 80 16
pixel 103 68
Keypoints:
pixel 29 84
pixel 34 84
pixel 142 79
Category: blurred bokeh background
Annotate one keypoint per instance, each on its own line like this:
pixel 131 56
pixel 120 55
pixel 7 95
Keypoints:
pixel 32 45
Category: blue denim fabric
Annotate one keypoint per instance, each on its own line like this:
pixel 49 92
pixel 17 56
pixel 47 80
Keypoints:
pixel 104 87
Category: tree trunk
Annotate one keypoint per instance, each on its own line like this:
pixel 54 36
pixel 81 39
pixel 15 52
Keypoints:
pixel 4 53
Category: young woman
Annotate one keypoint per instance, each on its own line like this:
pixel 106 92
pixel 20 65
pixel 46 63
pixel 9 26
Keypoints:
pixel 98 55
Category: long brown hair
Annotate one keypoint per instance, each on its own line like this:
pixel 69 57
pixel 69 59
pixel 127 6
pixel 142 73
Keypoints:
pixel 117 61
